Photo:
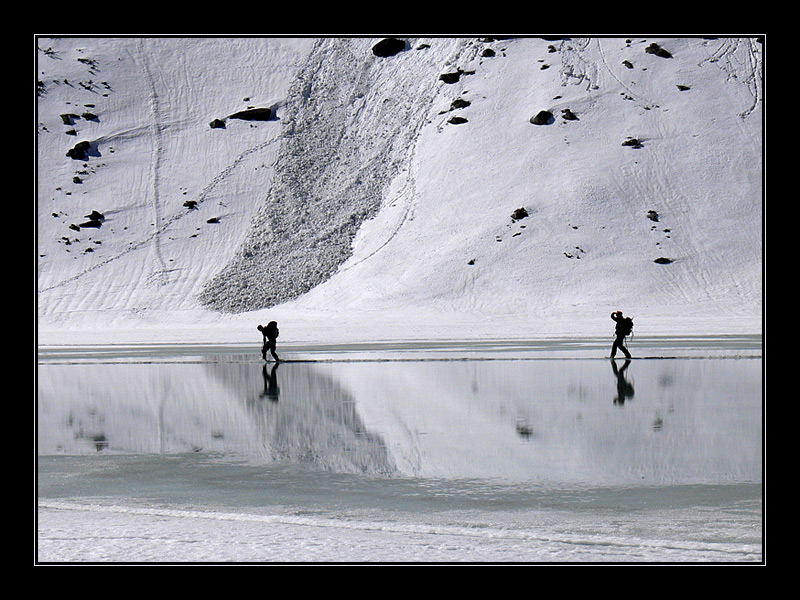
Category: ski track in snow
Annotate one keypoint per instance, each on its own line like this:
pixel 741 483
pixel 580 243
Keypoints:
pixel 161 223
pixel 155 159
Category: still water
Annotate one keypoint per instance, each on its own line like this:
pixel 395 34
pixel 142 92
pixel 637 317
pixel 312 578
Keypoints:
pixel 511 439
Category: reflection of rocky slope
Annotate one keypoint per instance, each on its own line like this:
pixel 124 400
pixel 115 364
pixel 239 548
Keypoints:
pixel 304 417
pixel 215 408
pixel 138 409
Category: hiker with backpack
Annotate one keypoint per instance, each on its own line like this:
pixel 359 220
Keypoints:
pixel 623 329
pixel 270 333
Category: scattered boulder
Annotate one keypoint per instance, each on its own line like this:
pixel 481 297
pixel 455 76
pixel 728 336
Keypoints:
pixel 217 124
pixel 79 151
pixel 95 220
pixel 213 220
pixel 451 77
pixel 520 213
pixel 459 103
pixel 657 50
pixel 388 47
pixel 568 115
pixel 652 215
pixel 190 204
pixel 69 118
pixel 456 120
pixel 543 117
pixel 663 261
pixel 632 142
pixel 253 114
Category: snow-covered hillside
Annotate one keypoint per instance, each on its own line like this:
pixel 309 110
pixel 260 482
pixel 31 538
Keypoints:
pixel 361 209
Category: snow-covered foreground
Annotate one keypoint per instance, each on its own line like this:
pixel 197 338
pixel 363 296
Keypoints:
pixel 90 533
pixel 360 212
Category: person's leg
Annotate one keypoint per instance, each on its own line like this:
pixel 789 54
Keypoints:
pixel 619 342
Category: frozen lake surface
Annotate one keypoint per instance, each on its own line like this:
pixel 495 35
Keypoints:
pixel 501 451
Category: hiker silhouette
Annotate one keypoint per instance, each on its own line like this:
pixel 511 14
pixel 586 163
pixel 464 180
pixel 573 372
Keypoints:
pixel 270 333
pixel 623 329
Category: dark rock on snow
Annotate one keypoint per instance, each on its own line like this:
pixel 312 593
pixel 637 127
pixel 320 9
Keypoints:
pixel 632 142
pixel 518 214
pixel 657 50
pixel 79 151
pixel 388 47
pixel 253 114
pixel 543 117
pixel 450 77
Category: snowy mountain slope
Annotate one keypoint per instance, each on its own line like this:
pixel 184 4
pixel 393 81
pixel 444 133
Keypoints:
pixel 396 214
pixel 155 150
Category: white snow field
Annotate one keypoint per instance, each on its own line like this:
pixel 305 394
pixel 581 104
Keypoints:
pixel 360 212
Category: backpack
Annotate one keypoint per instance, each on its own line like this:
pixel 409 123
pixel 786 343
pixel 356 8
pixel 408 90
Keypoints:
pixel 272 330
pixel 625 326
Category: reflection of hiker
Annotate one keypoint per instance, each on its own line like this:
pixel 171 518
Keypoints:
pixel 271 390
pixel 624 387
pixel 624 328
pixel 270 333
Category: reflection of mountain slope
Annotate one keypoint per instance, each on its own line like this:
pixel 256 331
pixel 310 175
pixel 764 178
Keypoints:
pixel 138 409
pixel 304 417
pixel 215 407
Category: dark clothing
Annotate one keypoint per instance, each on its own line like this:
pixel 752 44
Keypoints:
pixel 620 331
pixel 269 345
pixel 619 342
pixel 270 333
